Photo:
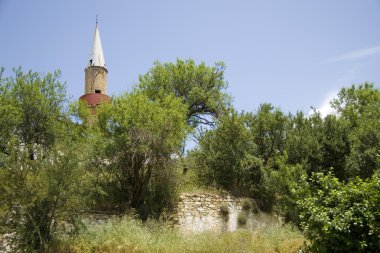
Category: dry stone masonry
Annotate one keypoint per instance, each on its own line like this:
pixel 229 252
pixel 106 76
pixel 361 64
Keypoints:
pixel 202 212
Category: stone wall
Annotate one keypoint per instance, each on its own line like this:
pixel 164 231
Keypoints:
pixel 201 212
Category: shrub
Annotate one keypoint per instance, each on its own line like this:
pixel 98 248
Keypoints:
pixel 38 195
pixel 224 211
pixel 242 218
pixel 339 217
pixel 247 205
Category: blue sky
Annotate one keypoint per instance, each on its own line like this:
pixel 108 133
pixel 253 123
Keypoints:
pixel 293 54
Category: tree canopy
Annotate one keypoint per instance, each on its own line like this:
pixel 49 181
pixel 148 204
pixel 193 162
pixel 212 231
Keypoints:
pixel 32 108
pixel 200 87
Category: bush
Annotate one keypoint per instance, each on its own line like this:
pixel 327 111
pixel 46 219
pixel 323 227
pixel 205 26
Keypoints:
pixel 339 217
pixel 224 211
pixel 38 195
pixel 247 205
pixel 242 218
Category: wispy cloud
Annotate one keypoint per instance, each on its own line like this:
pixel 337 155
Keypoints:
pixel 357 54
pixel 325 108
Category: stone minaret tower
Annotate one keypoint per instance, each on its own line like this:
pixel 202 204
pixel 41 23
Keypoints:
pixel 95 83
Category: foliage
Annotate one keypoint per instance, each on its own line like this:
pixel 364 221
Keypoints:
pixel 360 106
pixel 198 86
pixel 32 108
pixel 303 141
pixel 38 195
pixel 189 178
pixel 247 205
pixel 43 180
pixel 348 142
pixel 277 188
pixel 335 144
pixel 142 136
pixel 242 218
pixel 223 151
pixel 224 210
pixel 268 127
pixel 129 235
pixel 353 103
pixel 363 159
pixel 339 217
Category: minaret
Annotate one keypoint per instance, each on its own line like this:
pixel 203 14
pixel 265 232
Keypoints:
pixel 95 83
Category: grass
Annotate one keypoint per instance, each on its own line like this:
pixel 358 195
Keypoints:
pixel 126 234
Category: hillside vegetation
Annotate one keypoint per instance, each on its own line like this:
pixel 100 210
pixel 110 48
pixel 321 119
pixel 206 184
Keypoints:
pixel 130 235
pixel 58 161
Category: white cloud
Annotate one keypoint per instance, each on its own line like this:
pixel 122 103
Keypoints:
pixel 325 108
pixel 357 54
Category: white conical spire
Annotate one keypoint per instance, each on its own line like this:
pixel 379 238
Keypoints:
pixel 96 54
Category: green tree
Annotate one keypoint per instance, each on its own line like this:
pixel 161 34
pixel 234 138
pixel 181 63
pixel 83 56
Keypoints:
pixel 268 128
pixel 363 159
pixel 198 86
pixel 224 154
pixel 335 144
pixel 353 103
pixel 360 106
pixel 318 144
pixel 303 141
pixel 141 138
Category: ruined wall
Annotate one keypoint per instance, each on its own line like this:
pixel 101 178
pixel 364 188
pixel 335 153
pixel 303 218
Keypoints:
pixel 201 212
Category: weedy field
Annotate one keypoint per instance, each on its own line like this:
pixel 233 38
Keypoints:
pixel 130 235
